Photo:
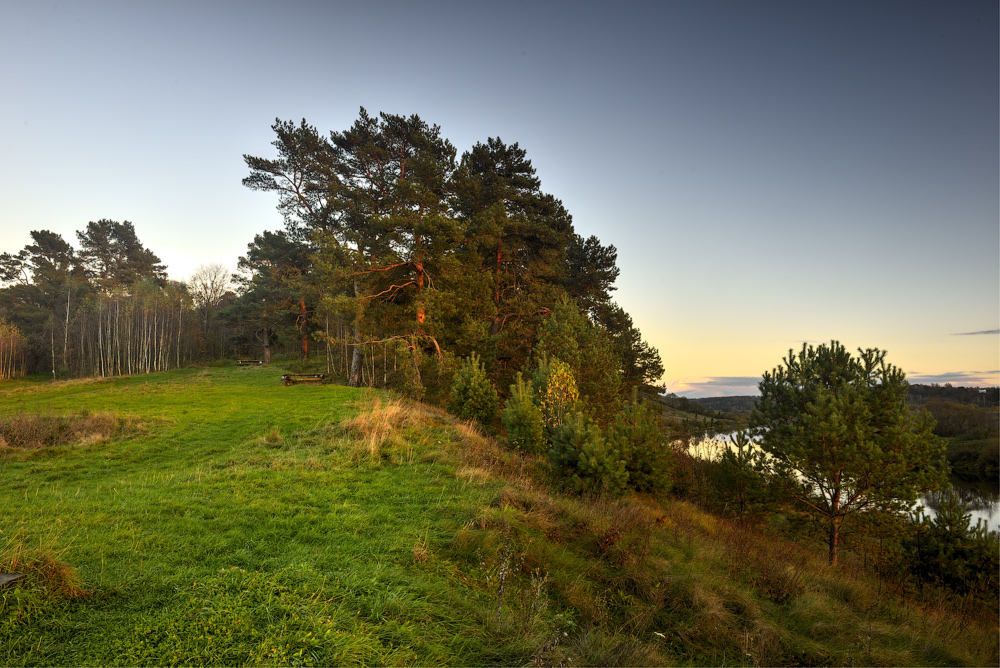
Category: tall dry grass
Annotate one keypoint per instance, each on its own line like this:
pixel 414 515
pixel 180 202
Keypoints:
pixel 378 424
pixel 41 567
pixel 34 431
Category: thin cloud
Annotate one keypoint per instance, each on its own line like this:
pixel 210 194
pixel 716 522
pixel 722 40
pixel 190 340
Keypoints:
pixel 985 331
pixel 717 386
pixel 726 381
pixel 960 378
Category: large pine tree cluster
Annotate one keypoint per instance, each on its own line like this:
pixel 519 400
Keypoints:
pixel 409 259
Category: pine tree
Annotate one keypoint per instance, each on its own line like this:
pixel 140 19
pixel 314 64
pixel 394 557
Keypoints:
pixel 473 396
pixel 637 436
pixel 522 418
pixel 839 426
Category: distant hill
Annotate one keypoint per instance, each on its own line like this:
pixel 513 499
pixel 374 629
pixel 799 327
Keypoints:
pixel 917 394
pixel 691 418
pixel 970 396
pixel 740 404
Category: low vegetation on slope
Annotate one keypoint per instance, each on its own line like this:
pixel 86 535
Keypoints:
pixel 251 523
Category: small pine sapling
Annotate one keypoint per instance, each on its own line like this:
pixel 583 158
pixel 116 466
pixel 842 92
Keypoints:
pixel 584 459
pixel 637 437
pixel 473 396
pixel 522 418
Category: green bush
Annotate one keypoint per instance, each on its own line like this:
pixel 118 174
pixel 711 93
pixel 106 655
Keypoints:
pixel 636 436
pixel 584 459
pixel 949 551
pixel 741 481
pixel 558 397
pixel 522 418
pixel 473 396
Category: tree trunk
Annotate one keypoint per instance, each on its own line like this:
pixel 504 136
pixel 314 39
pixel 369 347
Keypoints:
pixel 835 517
pixel 357 360
pixel 52 342
pixel 834 538
pixel 303 329
pixel 421 312
pixel 358 357
pixel 66 333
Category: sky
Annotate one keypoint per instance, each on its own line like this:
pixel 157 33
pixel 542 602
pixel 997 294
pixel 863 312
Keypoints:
pixel 771 173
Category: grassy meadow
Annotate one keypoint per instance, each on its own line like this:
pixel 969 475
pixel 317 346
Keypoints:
pixel 216 517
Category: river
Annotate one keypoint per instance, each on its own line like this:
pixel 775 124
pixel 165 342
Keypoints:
pixel 982 499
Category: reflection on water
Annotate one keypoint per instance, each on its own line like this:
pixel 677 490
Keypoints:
pixel 980 496
pixel 982 499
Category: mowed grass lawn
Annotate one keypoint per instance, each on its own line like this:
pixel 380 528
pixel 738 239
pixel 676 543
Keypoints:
pixel 241 525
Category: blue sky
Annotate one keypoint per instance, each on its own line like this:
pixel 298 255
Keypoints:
pixel 771 173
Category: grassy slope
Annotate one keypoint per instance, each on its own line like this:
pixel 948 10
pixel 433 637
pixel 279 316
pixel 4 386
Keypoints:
pixel 253 523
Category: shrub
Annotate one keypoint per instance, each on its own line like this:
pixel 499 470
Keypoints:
pixel 473 396
pixel 558 397
pixel 588 351
pixel 31 431
pixel 522 418
pixel 949 551
pixel 741 477
pixel 585 460
pixel 636 436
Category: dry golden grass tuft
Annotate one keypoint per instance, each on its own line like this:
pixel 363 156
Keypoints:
pixel 376 423
pixel 421 553
pixel 473 474
pixel 272 438
pixel 42 567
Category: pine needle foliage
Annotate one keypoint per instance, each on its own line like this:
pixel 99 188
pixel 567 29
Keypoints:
pixel 948 550
pixel 837 426
pixel 585 460
pixel 522 418
pixel 473 396
pixel 637 437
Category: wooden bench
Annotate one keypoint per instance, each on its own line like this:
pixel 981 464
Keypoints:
pixel 248 362
pixel 308 378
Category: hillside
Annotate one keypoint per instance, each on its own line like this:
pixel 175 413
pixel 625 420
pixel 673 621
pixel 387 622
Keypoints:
pixel 737 404
pixel 689 418
pixel 215 516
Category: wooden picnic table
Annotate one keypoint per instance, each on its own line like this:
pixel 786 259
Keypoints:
pixel 307 378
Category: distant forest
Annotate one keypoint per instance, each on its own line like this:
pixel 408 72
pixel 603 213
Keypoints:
pixel 737 404
pixel 917 394
pixel 967 396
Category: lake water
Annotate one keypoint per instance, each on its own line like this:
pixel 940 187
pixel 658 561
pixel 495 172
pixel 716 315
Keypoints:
pixel 982 499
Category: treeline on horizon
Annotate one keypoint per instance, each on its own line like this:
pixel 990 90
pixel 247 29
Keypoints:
pixel 916 394
pixel 398 259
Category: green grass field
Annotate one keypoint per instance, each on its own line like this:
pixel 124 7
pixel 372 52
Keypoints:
pixel 232 520
pixel 240 527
